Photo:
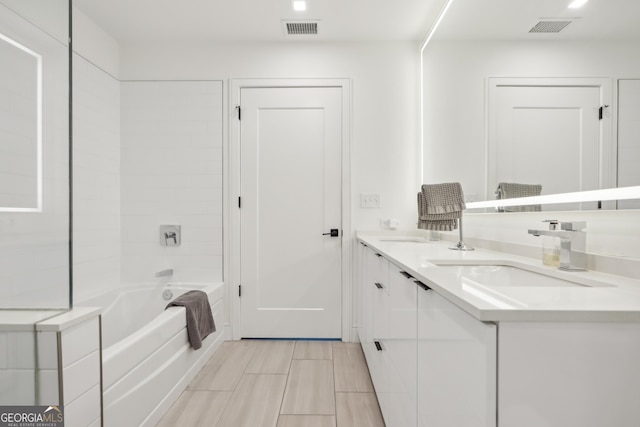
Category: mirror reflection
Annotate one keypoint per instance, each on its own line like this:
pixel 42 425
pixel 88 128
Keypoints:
pixel 20 127
pixel 527 94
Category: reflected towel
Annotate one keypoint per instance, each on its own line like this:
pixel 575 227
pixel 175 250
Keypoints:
pixel 199 317
pixel 440 206
pixel 509 190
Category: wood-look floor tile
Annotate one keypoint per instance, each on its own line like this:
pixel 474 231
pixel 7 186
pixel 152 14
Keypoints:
pixel 224 369
pixel 337 345
pixel 195 409
pixel 271 357
pixel 313 350
pixel 351 372
pixel 255 402
pixel 307 421
pixel 358 410
pixel 310 388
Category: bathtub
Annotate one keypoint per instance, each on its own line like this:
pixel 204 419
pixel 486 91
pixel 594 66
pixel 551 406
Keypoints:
pixel 146 357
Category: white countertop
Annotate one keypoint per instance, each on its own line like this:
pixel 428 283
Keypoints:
pixel 602 298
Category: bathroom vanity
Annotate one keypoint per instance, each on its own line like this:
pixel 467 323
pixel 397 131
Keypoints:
pixel 485 338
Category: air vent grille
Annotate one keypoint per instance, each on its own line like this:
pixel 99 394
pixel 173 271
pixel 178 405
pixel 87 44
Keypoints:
pixel 300 28
pixel 549 26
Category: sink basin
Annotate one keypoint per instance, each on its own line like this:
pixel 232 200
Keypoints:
pixel 507 276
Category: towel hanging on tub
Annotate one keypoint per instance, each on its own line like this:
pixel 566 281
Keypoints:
pixel 199 317
pixel 440 206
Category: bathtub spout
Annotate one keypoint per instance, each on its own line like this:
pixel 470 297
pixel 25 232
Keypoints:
pixel 165 273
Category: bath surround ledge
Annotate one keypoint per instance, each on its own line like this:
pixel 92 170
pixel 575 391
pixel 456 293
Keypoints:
pixel 23 320
pixel 68 319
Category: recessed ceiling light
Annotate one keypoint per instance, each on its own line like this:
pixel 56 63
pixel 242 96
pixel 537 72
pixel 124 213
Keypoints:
pixel 577 3
pixel 299 5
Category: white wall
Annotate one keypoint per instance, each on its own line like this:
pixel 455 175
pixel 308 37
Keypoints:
pixel 385 150
pixel 96 180
pixel 94 44
pixel 171 174
pixel 454 91
pixel 96 160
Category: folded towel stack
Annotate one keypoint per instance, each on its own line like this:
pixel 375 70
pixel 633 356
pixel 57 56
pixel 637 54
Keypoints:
pixel 199 317
pixel 440 206
pixel 508 190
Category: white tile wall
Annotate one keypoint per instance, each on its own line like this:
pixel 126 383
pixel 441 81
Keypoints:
pixel 17 386
pixel 96 180
pixel 171 163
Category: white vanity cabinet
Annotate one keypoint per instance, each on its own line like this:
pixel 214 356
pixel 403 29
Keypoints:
pixel 456 365
pixel 375 321
pixel 431 363
pixel 401 350
pixel 573 362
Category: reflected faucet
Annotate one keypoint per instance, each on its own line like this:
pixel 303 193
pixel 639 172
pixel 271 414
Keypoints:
pixel 573 244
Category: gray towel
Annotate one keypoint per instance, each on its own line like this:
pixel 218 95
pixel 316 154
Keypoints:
pixel 440 206
pixel 509 190
pixel 199 317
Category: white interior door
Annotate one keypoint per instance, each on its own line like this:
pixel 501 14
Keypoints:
pixel 548 135
pixel 290 185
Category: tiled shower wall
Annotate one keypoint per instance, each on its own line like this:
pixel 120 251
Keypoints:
pixel 145 154
pixel 171 173
pixel 96 180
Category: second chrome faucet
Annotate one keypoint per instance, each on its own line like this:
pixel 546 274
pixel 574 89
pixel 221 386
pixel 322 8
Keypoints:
pixel 573 242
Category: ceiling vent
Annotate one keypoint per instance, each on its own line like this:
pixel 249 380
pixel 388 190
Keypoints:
pixel 549 26
pixel 300 28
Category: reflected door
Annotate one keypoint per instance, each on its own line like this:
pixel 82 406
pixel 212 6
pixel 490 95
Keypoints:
pixel 548 135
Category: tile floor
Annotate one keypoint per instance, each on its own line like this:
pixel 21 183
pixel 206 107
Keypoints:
pixel 255 383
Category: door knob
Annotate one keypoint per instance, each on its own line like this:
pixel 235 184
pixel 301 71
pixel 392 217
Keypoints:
pixel 334 232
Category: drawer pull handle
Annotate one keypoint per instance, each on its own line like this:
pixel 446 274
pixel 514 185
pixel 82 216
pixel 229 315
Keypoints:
pixel 378 345
pixel 422 285
pixel 406 275
pixel 378 285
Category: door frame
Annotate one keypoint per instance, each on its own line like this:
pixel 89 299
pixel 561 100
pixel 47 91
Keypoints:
pixel 608 149
pixel 233 211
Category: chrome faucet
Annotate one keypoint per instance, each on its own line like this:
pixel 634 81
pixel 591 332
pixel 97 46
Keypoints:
pixel 573 244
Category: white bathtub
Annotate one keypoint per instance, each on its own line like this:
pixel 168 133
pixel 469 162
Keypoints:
pixel 146 358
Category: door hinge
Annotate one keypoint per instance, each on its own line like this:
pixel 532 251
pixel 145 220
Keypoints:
pixel 239 112
pixel 239 290
pixel 601 111
pixel 239 202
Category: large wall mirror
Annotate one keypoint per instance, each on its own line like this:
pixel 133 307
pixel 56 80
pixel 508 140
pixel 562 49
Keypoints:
pixel 525 98
pixel 21 128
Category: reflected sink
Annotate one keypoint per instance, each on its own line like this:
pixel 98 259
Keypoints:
pixel 507 276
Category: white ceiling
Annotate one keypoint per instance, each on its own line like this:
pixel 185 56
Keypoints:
pixel 260 20
pixel 512 20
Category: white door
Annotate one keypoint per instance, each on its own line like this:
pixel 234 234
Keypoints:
pixel 548 135
pixel 290 186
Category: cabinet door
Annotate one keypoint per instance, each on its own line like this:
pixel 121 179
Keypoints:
pixel 456 365
pixel 359 296
pixel 401 349
pixel 376 322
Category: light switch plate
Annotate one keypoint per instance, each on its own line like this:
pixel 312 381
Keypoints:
pixel 369 200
